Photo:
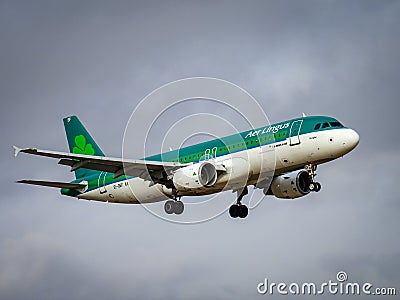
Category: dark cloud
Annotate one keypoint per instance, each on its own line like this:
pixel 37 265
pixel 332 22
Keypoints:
pixel 98 59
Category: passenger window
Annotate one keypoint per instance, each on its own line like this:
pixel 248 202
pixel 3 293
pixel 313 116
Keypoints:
pixel 317 126
pixel 325 125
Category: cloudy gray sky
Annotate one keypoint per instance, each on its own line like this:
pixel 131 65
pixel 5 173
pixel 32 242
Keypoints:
pixel 98 59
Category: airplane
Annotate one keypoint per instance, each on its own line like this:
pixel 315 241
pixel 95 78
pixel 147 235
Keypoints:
pixel 229 163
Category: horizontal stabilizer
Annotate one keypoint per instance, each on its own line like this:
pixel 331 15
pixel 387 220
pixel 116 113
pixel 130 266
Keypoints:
pixel 75 186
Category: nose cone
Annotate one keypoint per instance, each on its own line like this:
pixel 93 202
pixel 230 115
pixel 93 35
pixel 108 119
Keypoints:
pixel 351 139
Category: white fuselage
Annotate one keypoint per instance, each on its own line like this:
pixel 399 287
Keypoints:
pixel 311 148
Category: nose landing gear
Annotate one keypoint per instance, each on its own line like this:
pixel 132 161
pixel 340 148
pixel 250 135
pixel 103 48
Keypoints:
pixel 313 186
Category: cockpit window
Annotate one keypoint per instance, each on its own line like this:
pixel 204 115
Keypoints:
pixel 325 125
pixel 317 126
pixel 336 124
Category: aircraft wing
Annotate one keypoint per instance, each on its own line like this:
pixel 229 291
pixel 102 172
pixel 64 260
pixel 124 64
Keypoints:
pixel 118 166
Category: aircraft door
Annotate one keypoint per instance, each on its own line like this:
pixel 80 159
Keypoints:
pixel 294 138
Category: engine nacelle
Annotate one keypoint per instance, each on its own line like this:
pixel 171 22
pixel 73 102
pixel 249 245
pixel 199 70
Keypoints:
pixel 291 185
pixel 195 177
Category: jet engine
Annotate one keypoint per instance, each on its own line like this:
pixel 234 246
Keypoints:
pixel 291 185
pixel 195 177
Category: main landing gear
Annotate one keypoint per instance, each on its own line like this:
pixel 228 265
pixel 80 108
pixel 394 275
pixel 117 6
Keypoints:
pixel 175 206
pixel 313 186
pixel 238 209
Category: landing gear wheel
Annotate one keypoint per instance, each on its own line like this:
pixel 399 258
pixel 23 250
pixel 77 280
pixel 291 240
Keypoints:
pixel 243 211
pixel 234 211
pixel 179 207
pixel 174 207
pixel 169 207
pixel 314 186
pixel 317 187
pixel 238 211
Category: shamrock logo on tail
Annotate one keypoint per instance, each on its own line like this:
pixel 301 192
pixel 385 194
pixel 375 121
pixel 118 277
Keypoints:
pixel 82 147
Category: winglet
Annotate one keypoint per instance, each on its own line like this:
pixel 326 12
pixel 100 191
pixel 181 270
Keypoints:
pixel 16 151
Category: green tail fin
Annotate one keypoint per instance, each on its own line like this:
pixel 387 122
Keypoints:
pixel 80 142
